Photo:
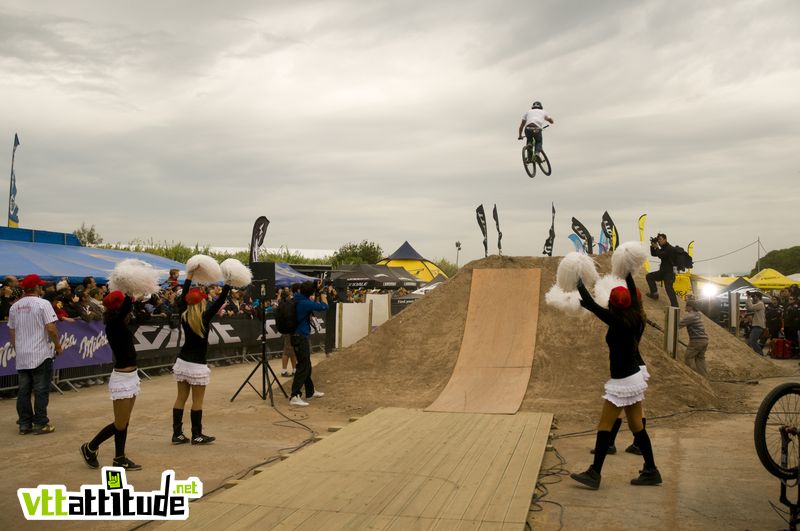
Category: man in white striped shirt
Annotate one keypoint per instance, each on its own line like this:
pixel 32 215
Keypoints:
pixel 31 324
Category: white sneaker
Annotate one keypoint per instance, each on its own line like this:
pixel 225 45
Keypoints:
pixel 284 372
pixel 297 401
pixel 540 157
pixel 317 394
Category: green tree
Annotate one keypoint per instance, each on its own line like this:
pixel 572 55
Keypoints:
pixel 786 261
pixel 88 235
pixel 357 253
pixel 448 267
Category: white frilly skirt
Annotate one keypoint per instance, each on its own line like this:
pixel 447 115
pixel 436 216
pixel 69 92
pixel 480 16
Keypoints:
pixel 645 373
pixel 626 391
pixel 123 384
pixel 191 373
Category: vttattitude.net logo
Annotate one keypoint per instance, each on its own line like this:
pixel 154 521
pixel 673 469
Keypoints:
pixel 115 499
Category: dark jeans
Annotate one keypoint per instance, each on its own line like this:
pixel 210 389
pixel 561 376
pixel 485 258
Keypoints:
pixel 302 372
pixel 669 280
pixel 532 133
pixel 36 381
pixel 753 337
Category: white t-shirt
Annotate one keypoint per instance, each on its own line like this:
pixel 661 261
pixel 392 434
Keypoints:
pixel 28 317
pixel 536 117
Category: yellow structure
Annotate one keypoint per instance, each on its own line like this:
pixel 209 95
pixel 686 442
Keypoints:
pixel 410 260
pixel 771 279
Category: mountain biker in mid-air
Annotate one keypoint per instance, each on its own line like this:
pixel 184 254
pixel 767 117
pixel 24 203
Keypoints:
pixel 533 123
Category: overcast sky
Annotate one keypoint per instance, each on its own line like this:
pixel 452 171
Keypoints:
pixel 391 121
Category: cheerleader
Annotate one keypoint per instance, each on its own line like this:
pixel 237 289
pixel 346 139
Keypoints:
pixel 123 384
pixel 625 390
pixel 190 369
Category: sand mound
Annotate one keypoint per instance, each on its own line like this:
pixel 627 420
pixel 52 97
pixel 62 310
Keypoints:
pixel 408 360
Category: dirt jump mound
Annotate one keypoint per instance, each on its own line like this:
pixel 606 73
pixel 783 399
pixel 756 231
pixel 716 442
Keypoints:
pixel 409 360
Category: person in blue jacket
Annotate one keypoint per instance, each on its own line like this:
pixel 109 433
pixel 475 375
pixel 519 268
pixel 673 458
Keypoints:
pixel 305 304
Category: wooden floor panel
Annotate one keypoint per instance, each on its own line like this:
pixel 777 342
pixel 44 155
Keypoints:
pixel 394 469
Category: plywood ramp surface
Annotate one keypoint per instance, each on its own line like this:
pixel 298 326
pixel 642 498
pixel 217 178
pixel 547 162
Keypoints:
pixel 394 469
pixel 494 364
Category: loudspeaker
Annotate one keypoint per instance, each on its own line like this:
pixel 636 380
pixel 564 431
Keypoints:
pixel 263 280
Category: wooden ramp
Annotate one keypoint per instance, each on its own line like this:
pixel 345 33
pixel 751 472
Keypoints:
pixel 494 364
pixel 394 469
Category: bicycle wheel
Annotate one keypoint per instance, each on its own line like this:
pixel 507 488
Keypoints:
pixel 781 407
pixel 530 166
pixel 544 164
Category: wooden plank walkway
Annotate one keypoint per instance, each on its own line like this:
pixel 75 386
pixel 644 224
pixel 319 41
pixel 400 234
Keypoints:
pixel 394 469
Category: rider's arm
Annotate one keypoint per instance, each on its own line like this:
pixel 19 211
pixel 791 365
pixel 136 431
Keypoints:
pixel 549 119
pixel 521 127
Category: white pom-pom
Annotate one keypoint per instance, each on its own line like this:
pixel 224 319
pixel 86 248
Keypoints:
pixel 134 277
pixel 627 259
pixel 602 290
pixel 566 301
pixel 204 269
pixel 574 266
pixel 235 273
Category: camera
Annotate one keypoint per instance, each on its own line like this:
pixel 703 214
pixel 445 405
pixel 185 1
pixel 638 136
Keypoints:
pixel 654 240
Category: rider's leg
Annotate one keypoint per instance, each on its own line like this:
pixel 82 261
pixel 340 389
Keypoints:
pixel 529 136
pixel 537 136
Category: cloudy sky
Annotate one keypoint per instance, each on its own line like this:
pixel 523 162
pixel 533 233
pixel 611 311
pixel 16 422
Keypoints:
pixel 391 121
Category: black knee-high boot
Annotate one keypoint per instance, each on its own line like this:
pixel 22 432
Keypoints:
pixel 102 436
pixel 177 427
pixel 120 436
pixel 591 477
pixel 197 428
pixel 650 474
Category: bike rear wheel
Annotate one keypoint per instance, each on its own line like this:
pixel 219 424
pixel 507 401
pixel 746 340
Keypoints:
pixel 544 164
pixel 780 408
pixel 530 165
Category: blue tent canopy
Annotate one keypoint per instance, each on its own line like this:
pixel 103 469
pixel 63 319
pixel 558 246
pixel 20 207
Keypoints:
pixel 285 275
pixel 52 261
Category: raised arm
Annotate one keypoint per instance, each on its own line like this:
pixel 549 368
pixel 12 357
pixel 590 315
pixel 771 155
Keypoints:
pixel 588 302
pixel 632 289
pixel 214 307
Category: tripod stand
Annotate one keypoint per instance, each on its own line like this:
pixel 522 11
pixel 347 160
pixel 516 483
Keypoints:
pixel 266 370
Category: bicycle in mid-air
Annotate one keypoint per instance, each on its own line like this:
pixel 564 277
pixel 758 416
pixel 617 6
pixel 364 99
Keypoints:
pixel 777 440
pixel 531 160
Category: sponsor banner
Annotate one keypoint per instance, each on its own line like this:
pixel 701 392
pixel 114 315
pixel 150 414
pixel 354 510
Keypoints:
pixel 85 343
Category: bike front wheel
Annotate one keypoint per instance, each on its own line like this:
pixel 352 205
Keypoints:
pixel 530 165
pixel 544 163
pixel 779 409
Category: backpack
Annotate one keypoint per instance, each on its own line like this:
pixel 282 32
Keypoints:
pixel 286 317
pixel 681 259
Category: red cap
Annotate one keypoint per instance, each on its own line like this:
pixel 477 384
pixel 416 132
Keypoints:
pixel 620 298
pixel 31 281
pixel 113 300
pixel 195 295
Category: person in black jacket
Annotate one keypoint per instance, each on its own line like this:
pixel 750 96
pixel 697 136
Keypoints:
pixel 661 249
pixel 190 369
pixel 625 389
pixel 123 384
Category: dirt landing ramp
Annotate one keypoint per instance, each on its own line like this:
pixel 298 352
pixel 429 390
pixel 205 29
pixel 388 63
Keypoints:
pixel 494 364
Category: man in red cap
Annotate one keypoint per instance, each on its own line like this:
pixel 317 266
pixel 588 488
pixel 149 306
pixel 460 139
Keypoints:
pixel 31 324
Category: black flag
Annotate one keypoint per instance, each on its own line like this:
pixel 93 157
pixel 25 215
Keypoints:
pixel 482 224
pixel 259 231
pixel 583 234
pixel 499 234
pixel 548 243
pixel 610 230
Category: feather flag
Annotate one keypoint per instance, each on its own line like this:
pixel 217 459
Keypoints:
pixel 584 234
pixel 642 221
pixel 257 239
pixel 548 243
pixel 577 243
pixel 13 208
pixel 499 234
pixel 481 215
pixel 610 231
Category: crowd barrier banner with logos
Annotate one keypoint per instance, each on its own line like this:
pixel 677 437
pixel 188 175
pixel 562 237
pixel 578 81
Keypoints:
pixel 85 343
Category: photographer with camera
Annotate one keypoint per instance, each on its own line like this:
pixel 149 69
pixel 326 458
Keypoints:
pixel 306 304
pixel 661 249
pixel 756 307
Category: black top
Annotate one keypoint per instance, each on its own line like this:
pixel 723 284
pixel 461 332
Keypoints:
pixel 120 337
pixel 665 255
pixel 195 347
pixel 622 339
